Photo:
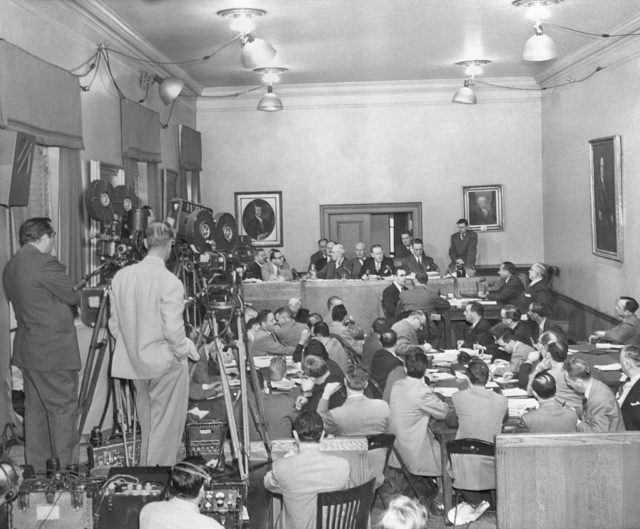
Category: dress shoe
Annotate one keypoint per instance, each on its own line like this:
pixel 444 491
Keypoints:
pixel 434 507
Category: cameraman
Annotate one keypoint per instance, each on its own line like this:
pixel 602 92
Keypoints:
pixel 147 303
pixel 45 347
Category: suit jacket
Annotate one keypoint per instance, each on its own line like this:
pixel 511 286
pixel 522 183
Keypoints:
pixel 319 260
pixel 465 248
pixel 631 408
pixel 382 364
pixel 479 413
pixel 480 334
pixel 289 333
pixel 356 267
pixel 508 292
pixel 299 478
pixel 548 325
pixel 351 334
pixel 624 331
pixel 403 251
pixel 253 271
pixel 601 413
pixel 411 264
pixel 422 298
pixel 550 417
pixel 369 268
pixel 412 405
pixel 41 293
pixel 330 271
pixel 302 316
pixel 537 292
pixel 359 416
pixel 269 274
pixel 265 343
pixel 390 298
pixel 371 345
pixel 147 305
pixel 258 228
pixel 407 336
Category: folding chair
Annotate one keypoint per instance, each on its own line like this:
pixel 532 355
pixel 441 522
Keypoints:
pixel 381 441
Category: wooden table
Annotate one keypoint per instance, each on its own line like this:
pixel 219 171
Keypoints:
pixel 594 357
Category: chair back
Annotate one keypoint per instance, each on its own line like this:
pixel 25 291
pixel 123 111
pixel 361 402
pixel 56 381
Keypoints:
pixel 469 446
pixel 354 356
pixel 377 464
pixel 345 509
pixel 474 469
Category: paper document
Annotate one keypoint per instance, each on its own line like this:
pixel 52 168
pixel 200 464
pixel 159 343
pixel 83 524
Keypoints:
pixel 609 367
pixel 514 392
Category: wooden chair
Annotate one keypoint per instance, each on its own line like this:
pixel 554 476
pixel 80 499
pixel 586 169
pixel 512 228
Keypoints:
pixel 381 441
pixel 469 448
pixel 345 509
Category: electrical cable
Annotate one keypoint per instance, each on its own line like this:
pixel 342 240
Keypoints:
pixel 589 34
pixel 542 88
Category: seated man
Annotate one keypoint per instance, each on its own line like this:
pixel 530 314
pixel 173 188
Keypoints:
pixel 299 314
pixel 407 330
pixel 551 416
pixel 602 412
pixel 391 294
pixel 479 331
pixel 404 250
pixel 517 351
pixel 319 259
pixel 358 262
pixel 343 325
pixel 413 404
pixel 478 413
pixel 317 370
pixel 418 261
pixel 538 315
pixel 627 329
pixel 463 249
pixel 510 288
pixel 277 269
pixel 524 331
pixel 186 487
pixel 332 302
pixel 264 340
pixel 385 359
pixel 288 330
pixel 372 341
pixel 537 289
pixel 254 270
pixel 300 477
pixel 629 399
pixel 336 352
pixel 338 267
pixel 378 265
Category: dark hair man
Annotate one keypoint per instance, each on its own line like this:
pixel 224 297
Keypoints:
pixel 404 249
pixel 378 265
pixel 510 287
pixel 254 269
pixel 300 477
pixel 391 294
pixel 551 416
pixel 45 347
pixel 372 340
pixel 479 331
pixel 629 327
pixel 319 259
pixel 418 261
pixel 463 248
pixel 602 412
pixel 186 486
pixel 277 269
pixel 629 399
pixel 385 359
pixel 147 303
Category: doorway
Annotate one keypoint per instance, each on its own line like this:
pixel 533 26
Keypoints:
pixel 371 224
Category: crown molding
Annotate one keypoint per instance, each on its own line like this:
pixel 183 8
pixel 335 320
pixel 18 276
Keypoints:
pixel 602 53
pixel 379 94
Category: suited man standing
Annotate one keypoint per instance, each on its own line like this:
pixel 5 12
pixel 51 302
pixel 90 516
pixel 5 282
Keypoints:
pixel 629 398
pixel 418 261
pixel 463 248
pixel 391 294
pixel 405 248
pixel 45 347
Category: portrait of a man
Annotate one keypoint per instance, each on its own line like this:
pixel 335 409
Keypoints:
pixel 483 207
pixel 258 219
pixel 481 210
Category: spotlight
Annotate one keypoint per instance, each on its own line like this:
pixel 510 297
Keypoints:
pixel 170 88
pixel 256 52
pixel 270 102
pixel 539 47
pixel 466 95
pixel 270 74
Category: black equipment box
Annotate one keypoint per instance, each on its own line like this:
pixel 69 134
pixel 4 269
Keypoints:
pixel 111 453
pixel 206 439
pixel 224 502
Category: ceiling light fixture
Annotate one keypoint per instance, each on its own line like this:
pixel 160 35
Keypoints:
pixel 170 89
pixel 539 47
pixel 270 74
pixel 242 18
pixel 473 67
pixel 255 52
pixel 466 95
pixel 270 102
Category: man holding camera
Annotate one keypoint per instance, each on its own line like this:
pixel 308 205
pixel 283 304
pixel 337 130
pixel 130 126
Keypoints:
pixel 147 303
pixel 45 347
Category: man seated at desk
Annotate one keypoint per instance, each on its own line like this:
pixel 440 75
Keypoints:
pixel 538 314
pixel 407 330
pixel 510 288
pixel 479 331
pixel 334 348
pixel 277 269
pixel 300 314
pixel 288 331
pixel 321 371
pixel 524 331
pixel 300 477
pixel 385 359
pixel 552 416
pixel 629 398
pixel 265 342
pixel 319 259
pixel 378 265
pixel 358 262
pixel 627 329
pixel 391 294
pixel 517 351
pixel 343 325
pixel 254 270
pixel 339 267
pixel 418 261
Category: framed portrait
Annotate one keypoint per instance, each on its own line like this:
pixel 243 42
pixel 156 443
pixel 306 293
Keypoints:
pixel 606 197
pixel 259 215
pixel 169 190
pixel 483 207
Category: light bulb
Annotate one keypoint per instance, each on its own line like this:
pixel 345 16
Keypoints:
pixel 243 24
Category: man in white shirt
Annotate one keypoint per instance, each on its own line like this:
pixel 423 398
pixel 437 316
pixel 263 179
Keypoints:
pixel 629 398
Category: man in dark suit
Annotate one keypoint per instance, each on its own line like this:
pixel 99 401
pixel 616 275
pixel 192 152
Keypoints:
pixel 319 258
pixel 601 413
pixel 405 248
pixel 629 398
pixel 510 288
pixel 525 331
pixel 391 294
pixel 418 261
pixel 538 314
pixel 378 265
pixel 463 248
pixel 479 331
pixel 359 260
pixel 258 227
pixel 300 314
pixel 338 267
pixel 552 416
pixel 386 359
pixel 537 289
pixel 254 270
pixel 45 346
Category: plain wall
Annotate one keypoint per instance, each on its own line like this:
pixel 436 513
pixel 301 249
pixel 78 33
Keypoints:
pixel 397 147
pixel 606 105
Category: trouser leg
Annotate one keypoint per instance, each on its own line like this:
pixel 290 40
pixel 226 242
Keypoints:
pixel 143 409
pixel 36 428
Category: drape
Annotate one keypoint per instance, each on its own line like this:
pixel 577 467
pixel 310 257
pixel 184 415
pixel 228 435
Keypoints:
pixel 190 162
pixel 39 98
pixel 71 213
pixel 140 132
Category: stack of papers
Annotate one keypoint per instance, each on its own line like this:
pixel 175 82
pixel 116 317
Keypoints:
pixel 514 392
pixel 441 376
pixel 518 407
pixel 609 367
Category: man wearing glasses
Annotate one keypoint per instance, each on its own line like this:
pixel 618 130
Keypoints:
pixel 277 269
pixel 45 347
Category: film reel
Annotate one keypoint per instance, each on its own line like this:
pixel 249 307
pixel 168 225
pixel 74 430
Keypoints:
pixel 98 200
pixel 226 232
pixel 200 230
pixel 124 200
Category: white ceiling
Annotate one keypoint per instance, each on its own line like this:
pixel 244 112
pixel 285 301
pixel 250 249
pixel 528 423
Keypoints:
pixel 334 41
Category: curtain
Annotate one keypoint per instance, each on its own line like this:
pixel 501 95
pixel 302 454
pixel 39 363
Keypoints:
pixel 190 162
pixel 39 98
pixel 154 189
pixel 71 213
pixel 140 132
